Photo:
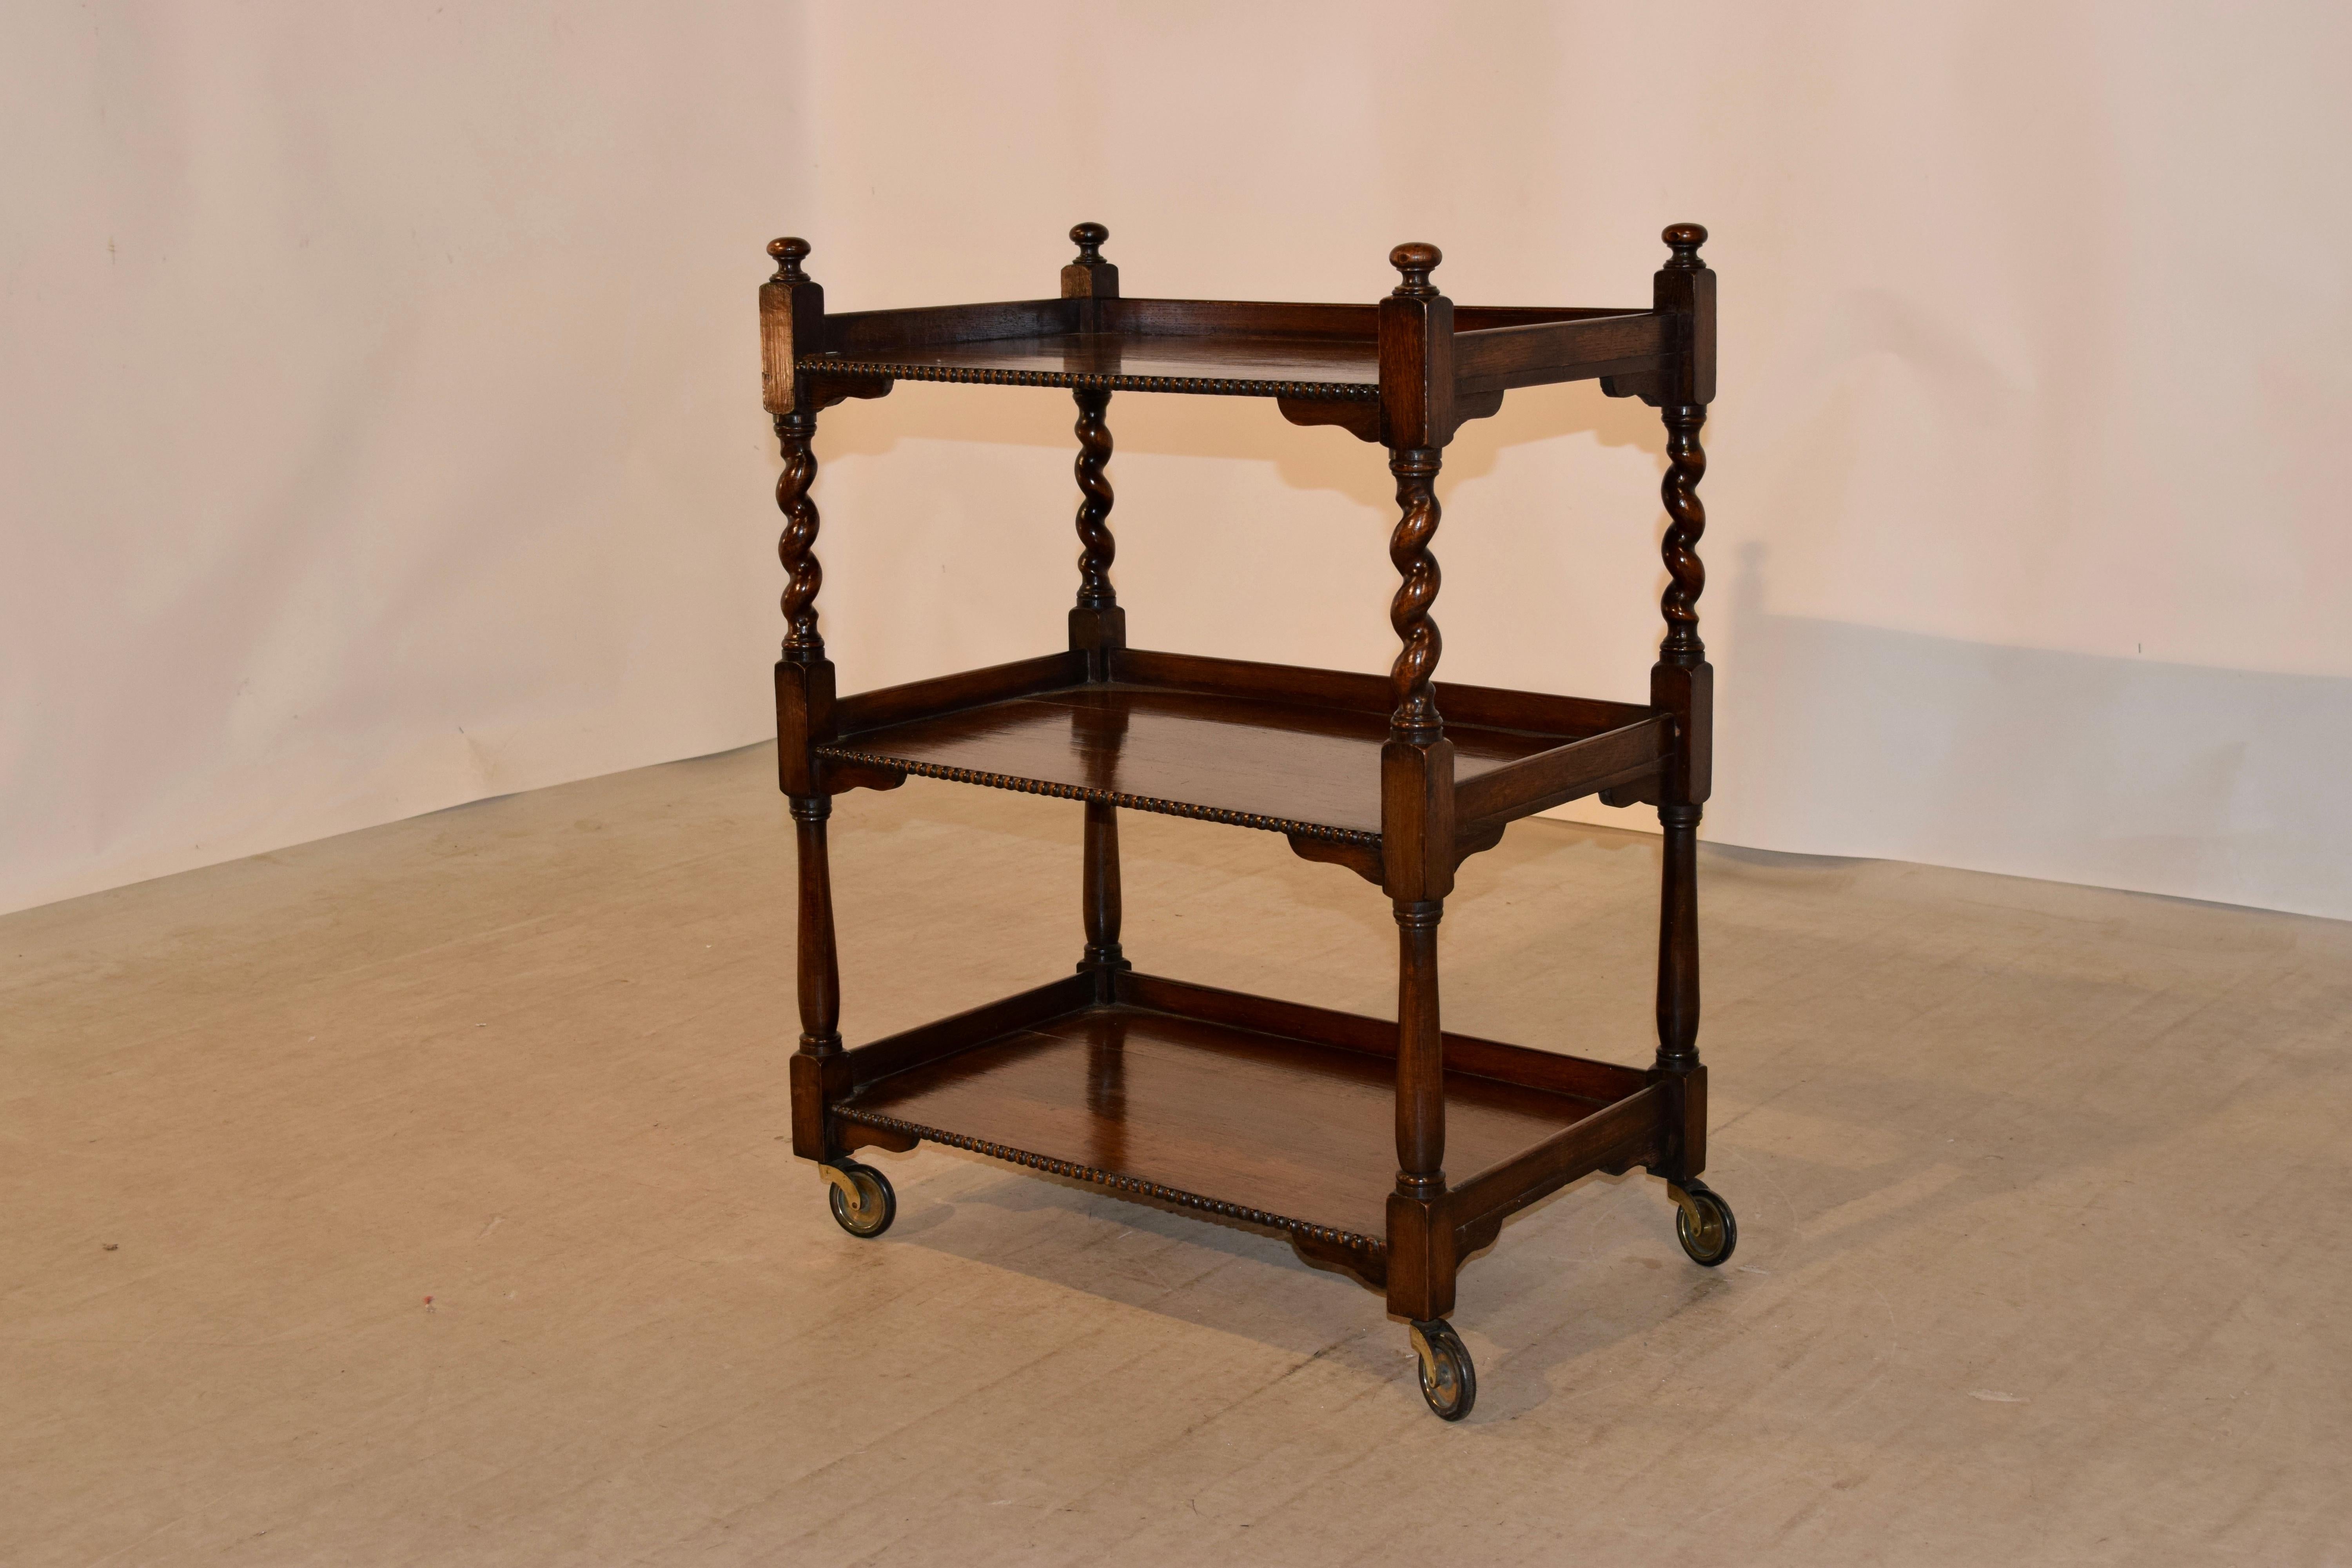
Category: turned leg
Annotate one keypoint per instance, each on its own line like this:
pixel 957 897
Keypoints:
pixel 1678 940
pixel 819 1069
pixel 1099 900
pixel 820 966
pixel 1420 1054
pixel 1421 1261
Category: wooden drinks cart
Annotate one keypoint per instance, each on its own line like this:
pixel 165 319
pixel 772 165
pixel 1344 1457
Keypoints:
pixel 1267 1112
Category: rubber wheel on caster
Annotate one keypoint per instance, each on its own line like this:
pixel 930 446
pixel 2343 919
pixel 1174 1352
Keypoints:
pixel 1448 1381
pixel 1704 1224
pixel 874 1206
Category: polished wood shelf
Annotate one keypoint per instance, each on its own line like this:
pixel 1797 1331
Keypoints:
pixel 1233 366
pixel 1279 747
pixel 1233 348
pixel 1269 1112
pixel 1389 1149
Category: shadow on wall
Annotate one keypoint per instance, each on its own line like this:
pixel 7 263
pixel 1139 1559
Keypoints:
pixel 2123 773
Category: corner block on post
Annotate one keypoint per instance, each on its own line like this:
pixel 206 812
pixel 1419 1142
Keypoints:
pixel 1098 623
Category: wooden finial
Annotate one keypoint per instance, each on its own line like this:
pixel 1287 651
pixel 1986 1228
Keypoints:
pixel 1684 239
pixel 1416 261
pixel 1090 276
pixel 789 252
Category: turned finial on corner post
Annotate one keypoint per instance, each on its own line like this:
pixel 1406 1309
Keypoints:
pixel 1684 239
pixel 1416 261
pixel 1090 276
pixel 792 325
pixel 790 252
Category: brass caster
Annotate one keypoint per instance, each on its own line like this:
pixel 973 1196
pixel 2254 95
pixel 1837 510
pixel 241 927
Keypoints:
pixel 860 1197
pixel 1448 1381
pixel 1704 1224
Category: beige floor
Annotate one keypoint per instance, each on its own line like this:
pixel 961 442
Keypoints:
pixel 418 1197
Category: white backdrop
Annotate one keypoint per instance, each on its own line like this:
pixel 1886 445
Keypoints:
pixel 381 425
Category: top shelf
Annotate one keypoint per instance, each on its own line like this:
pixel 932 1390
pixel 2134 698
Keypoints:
pixel 1321 353
pixel 1405 371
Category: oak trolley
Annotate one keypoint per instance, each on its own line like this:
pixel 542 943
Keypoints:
pixel 1265 1111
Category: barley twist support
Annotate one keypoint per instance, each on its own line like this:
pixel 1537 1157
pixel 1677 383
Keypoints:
pixel 1097 547
pixel 1686 520
pixel 1415 717
pixel 796 547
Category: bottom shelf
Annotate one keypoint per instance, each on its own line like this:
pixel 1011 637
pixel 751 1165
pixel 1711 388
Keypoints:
pixel 1268 1111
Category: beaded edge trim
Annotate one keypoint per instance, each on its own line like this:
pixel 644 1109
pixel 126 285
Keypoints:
pixel 1318 390
pixel 1107 797
pixel 1106 1178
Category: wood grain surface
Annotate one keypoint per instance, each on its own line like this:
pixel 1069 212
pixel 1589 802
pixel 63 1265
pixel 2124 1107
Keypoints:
pixel 1233 363
pixel 1287 1128
pixel 1288 763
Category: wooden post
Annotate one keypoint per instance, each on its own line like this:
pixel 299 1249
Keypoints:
pixel 1683 683
pixel 1416 345
pixel 792 312
pixel 1098 623
pixel 1099 900
pixel 819 966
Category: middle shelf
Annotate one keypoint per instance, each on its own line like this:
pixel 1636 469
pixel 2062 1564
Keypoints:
pixel 1280 747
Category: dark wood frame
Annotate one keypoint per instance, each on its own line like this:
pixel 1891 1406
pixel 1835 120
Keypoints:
pixel 1400 805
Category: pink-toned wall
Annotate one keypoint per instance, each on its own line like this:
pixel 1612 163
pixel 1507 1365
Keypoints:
pixel 379 422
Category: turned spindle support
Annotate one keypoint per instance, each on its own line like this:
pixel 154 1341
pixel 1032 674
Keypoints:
pixel 1099 907
pixel 804 691
pixel 820 968
pixel 796 546
pixel 1415 718
pixel 1098 625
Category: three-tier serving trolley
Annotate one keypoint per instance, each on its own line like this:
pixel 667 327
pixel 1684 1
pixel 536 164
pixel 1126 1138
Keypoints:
pixel 1268 1112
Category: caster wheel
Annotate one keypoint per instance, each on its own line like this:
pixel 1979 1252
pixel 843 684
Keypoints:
pixel 861 1199
pixel 1703 1224
pixel 1448 1381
